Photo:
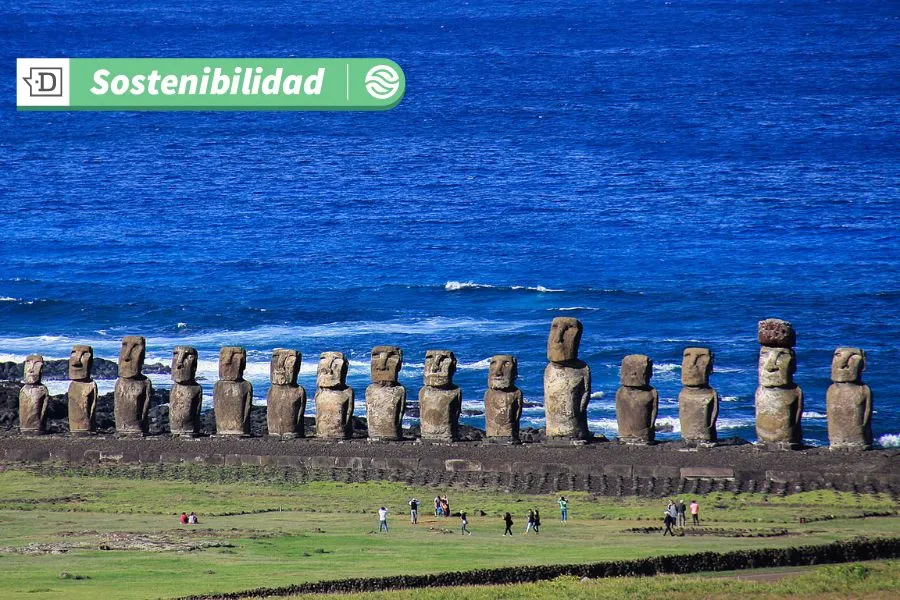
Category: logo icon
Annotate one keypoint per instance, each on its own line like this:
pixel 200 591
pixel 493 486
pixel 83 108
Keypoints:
pixel 45 82
pixel 382 82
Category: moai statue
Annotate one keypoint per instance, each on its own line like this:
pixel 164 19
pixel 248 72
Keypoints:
pixel 567 383
pixel 637 402
pixel 232 394
pixel 440 401
pixel 186 396
pixel 82 391
pixel 779 401
pixel 334 398
pixel 385 397
pixel 286 401
pixel 33 397
pixel 503 400
pixel 698 404
pixel 849 402
pixel 133 390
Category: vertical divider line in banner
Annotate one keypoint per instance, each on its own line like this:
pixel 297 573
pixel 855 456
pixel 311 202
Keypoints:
pixel 348 82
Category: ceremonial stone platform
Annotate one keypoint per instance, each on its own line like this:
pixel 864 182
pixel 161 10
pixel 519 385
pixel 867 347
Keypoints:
pixel 603 468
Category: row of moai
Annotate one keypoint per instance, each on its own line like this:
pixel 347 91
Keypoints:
pixel 567 391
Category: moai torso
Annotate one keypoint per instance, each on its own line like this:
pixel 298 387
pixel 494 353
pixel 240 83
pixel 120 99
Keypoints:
pixel 567 383
pixel 385 397
pixel 232 395
pixel 186 396
pixel 502 400
pixel 636 402
pixel 698 404
pixel 133 391
pixel 334 399
pixel 779 402
pixel 83 391
pixel 848 402
pixel 440 401
pixel 285 401
pixel 33 397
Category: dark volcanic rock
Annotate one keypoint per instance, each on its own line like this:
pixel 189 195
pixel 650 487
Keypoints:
pixel 58 370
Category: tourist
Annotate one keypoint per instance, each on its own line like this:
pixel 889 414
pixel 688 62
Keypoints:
pixel 679 507
pixel 414 511
pixel 695 512
pixel 464 524
pixel 437 506
pixel 509 523
pixel 184 519
pixel 537 521
pixel 563 509
pixel 382 520
pixel 445 506
pixel 667 521
pixel 530 525
pixel 192 518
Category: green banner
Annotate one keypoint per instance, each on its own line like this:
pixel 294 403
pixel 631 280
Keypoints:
pixel 208 84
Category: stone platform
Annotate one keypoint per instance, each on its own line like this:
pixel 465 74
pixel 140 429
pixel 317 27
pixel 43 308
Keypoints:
pixel 603 468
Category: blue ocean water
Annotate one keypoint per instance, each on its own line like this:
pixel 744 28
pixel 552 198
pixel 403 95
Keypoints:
pixel 667 172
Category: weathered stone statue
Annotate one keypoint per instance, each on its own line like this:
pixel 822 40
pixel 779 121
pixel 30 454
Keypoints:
pixel 232 395
pixel 133 390
pixel 567 383
pixel 385 397
pixel 698 404
pixel 82 391
pixel 636 401
pixel 503 400
pixel 849 402
pixel 286 401
pixel 779 401
pixel 33 397
pixel 186 396
pixel 334 399
pixel 440 401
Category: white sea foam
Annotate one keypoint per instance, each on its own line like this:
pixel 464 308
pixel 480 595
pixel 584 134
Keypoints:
pixel 180 325
pixel 811 414
pixel 729 399
pixel 455 286
pixel 479 365
pixel 9 299
pixel 597 395
pixel 571 308
pixel 888 440
pixel 734 423
pixel 603 425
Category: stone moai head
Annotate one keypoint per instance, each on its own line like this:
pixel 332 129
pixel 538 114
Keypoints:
pixel 776 333
pixel 847 365
pixel 81 360
pixel 285 367
pixel 34 369
pixel 440 365
pixel 776 366
pixel 131 356
pixel 232 362
pixel 386 364
pixel 637 369
pixel 565 337
pixel 503 372
pixel 696 367
pixel 332 371
pixel 184 364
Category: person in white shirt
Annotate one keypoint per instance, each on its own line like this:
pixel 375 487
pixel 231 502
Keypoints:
pixel 382 520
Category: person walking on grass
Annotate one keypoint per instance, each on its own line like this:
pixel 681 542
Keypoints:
pixel 530 525
pixel 464 524
pixel 414 511
pixel 671 514
pixel 382 520
pixel 563 509
pixel 509 523
pixel 537 521
pixel 695 512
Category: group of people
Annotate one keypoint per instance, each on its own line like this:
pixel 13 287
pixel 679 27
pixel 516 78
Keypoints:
pixel 674 515
pixel 189 519
pixel 441 506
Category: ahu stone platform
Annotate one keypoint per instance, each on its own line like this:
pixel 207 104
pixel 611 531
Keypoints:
pixel 609 469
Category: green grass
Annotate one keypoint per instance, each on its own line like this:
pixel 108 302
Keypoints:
pixel 869 580
pixel 325 530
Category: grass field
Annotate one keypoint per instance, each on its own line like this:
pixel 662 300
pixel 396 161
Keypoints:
pixel 120 538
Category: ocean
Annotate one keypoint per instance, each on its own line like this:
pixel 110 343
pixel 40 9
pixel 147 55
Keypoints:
pixel 667 172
